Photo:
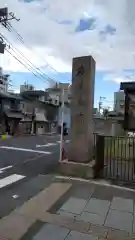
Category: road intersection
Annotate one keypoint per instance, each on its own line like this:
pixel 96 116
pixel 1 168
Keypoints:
pixel 25 164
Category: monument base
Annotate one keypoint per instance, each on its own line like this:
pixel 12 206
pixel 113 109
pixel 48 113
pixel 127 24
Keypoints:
pixel 81 170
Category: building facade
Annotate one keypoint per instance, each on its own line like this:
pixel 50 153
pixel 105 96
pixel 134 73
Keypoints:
pixel 3 81
pixel 56 97
pixel 56 93
pixel 119 102
pixel 26 87
pixel 10 113
pixel 39 109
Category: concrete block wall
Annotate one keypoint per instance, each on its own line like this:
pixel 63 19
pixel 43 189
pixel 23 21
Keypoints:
pixel 107 127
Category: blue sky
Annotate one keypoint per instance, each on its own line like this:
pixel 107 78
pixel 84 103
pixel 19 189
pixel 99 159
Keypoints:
pixel 103 87
pixel 75 29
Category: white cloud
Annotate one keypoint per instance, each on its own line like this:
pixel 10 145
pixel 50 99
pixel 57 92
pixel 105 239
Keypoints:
pixel 121 76
pixel 58 43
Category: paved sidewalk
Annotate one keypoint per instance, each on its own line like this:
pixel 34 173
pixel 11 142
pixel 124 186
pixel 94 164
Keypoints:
pixel 71 209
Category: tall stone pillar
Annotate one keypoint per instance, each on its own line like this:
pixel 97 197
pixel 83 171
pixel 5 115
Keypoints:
pixel 81 132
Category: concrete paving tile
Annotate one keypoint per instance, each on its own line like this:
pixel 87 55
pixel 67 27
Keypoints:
pixel 57 219
pixel 66 222
pixel 80 226
pixel 116 234
pixel 74 205
pixel 66 214
pixel 91 218
pixel 82 190
pixel 79 236
pixel 122 204
pixel 14 226
pixel 33 230
pixel 44 200
pixel 99 231
pixel 103 192
pixel 119 220
pixel 97 206
pixel 107 193
pixel 51 232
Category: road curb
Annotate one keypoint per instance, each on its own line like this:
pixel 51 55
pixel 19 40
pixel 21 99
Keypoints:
pixel 30 135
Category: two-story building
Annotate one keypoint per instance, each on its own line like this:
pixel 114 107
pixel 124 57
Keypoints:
pixel 38 110
pixel 10 113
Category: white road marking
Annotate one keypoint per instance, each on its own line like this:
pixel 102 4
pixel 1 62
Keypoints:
pixel 5 168
pixel 15 196
pixel 46 145
pixel 10 179
pixel 67 141
pixel 24 149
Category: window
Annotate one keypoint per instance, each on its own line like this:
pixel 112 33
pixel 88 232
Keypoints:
pixel 122 103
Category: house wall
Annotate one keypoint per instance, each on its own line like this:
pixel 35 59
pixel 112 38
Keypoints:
pixel 3 81
pixel 10 104
pixel 27 107
pixel 40 114
pixel 54 98
pixel 119 102
pixel 100 126
pixel 107 127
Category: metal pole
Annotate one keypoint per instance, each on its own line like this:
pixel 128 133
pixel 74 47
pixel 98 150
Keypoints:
pixel 62 120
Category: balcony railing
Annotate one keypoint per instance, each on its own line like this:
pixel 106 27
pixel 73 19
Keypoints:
pixel 15 110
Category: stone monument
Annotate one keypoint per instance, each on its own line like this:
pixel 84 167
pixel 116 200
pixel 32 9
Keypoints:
pixel 81 132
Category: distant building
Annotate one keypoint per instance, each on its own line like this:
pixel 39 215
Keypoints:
pixel 56 98
pixel 56 93
pixel 26 87
pixel 119 102
pixel 3 81
pixel 36 106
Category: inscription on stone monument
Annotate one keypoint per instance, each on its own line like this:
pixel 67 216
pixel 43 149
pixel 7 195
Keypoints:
pixel 79 75
pixel 83 74
pixel 79 118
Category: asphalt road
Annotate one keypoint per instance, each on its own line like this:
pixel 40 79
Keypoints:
pixel 33 152
pixel 25 164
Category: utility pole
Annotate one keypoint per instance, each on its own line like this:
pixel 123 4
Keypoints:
pixel 5 17
pixel 100 103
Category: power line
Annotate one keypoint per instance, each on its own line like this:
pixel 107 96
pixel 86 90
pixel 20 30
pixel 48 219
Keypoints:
pixel 4 18
pixel 31 65
pixel 22 63
pixel 12 47
pixel 20 38
pixel 37 72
